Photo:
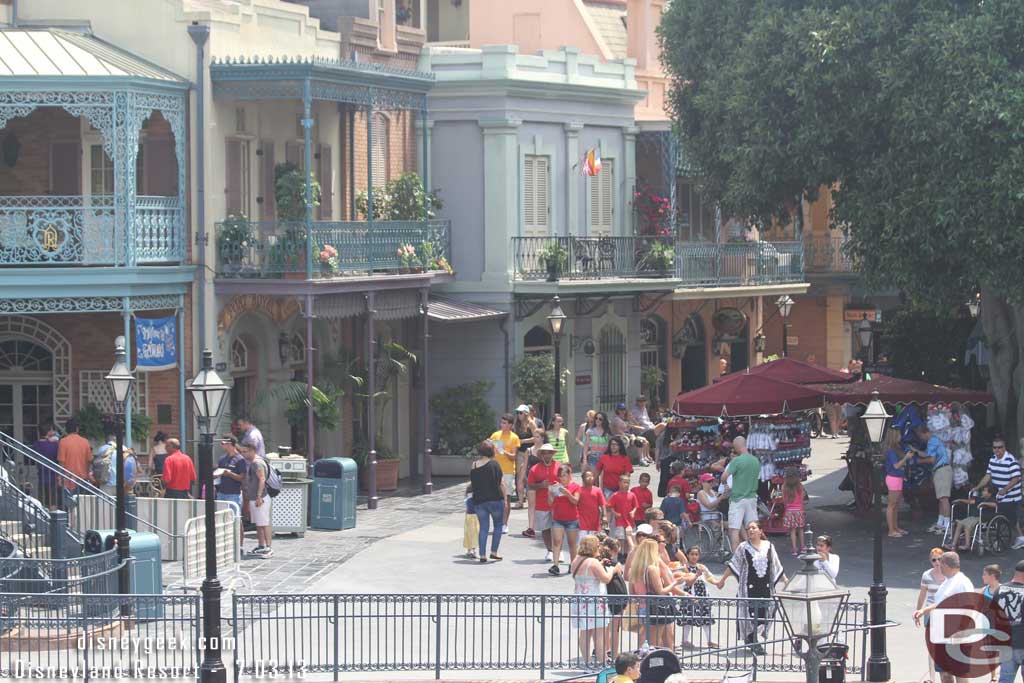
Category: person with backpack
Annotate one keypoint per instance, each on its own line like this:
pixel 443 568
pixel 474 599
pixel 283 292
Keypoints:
pixel 102 468
pixel 179 472
pixel 257 498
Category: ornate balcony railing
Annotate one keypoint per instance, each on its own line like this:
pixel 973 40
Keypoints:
pixel 826 255
pixel 341 248
pixel 583 258
pixel 739 264
pixel 72 230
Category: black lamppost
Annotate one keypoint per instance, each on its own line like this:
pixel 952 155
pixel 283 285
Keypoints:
pixel 556 319
pixel 120 378
pixel 785 304
pixel 208 393
pixel 864 333
pixel 875 418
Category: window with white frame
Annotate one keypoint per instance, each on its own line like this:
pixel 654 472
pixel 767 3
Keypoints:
pixel 381 158
pixel 536 195
pixel 602 200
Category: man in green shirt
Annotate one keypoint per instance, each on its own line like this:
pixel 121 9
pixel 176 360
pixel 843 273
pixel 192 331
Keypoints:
pixel 744 471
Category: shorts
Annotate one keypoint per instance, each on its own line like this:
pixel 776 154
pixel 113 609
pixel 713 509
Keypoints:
pixel 742 512
pixel 893 483
pixel 260 516
pixel 942 479
pixel 592 459
pixel 510 483
pixel 568 525
pixel 1009 510
pixel 617 532
pixel 234 500
pixel 968 523
pixel 541 520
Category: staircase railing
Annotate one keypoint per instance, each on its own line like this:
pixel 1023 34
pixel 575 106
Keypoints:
pixel 25 522
pixel 51 481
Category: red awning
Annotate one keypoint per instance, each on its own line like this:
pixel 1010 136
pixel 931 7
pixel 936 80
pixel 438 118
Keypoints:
pixel 895 390
pixel 794 371
pixel 747 394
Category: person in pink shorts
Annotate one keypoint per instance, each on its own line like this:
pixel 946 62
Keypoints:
pixel 895 464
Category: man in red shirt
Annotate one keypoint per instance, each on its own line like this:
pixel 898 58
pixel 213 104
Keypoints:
pixel 623 506
pixel 541 476
pixel 179 472
pixel 591 507
pixel 644 498
pixel 678 479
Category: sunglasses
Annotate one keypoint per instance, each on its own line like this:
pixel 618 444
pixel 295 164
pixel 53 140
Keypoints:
pixel 934 560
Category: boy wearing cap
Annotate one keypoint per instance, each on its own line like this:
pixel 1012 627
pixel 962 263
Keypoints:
pixel 540 478
pixel 230 473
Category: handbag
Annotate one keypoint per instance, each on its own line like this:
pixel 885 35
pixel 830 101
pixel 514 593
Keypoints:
pixel 631 620
pixel 617 586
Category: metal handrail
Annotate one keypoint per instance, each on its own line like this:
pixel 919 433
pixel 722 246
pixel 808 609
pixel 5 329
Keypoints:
pixel 9 442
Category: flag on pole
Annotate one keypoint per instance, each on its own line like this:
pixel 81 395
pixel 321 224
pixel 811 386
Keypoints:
pixel 590 163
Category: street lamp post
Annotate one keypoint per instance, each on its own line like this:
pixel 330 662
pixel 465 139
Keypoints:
pixel 785 305
pixel 864 333
pixel 875 418
pixel 120 378
pixel 811 606
pixel 556 319
pixel 208 393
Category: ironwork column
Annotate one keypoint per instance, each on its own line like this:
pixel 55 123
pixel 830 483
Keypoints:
pixel 121 535
pixel 878 662
pixel 310 413
pixel 307 131
pixel 126 314
pixel 428 455
pixel 370 242
pixel 426 151
pixel 371 429
pixel 199 33
pixel 558 374
pixel 212 669
pixel 181 368
pixel 785 338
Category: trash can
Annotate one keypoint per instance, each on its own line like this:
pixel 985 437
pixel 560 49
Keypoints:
pixel 335 486
pixel 146 568
pixel 832 667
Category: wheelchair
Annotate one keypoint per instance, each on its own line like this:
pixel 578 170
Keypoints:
pixel 992 534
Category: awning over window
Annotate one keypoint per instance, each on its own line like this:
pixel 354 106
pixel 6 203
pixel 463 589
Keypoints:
pixel 451 311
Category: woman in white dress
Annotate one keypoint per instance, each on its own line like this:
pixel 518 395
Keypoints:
pixel 591 615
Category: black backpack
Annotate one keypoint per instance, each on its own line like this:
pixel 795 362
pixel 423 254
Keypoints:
pixel 272 486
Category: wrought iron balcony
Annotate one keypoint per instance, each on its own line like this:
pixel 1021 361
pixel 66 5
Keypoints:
pixel 740 264
pixel 583 258
pixel 84 231
pixel 825 255
pixel 269 249
pixel 697 265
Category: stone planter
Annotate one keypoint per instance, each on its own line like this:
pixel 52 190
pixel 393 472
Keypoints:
pixel 387 476
pixel 447 465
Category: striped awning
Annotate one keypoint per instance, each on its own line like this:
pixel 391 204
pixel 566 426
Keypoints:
pixel 451 311
pixel 59 53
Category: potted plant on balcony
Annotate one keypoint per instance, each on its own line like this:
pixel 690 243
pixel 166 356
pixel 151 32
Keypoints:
pixel 555 259
pixel 290 197
pixel 234 236
pixel 660 257
pixel 409 259
pixel 402 199
pixel 328 261
pixel 653 211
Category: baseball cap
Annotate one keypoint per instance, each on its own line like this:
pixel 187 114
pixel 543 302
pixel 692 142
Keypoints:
pixel 645 529
pixel 707 476
pixel 641 397
pixel 620 406
pixel 523 408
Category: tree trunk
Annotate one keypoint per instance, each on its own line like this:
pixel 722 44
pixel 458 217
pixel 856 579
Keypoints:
pixel 1003 324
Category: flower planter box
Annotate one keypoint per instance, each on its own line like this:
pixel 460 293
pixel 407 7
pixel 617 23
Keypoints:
pixel 446 465
pixel 387 476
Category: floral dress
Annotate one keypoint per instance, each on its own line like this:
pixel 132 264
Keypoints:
pixel 592 612
pixel 696 611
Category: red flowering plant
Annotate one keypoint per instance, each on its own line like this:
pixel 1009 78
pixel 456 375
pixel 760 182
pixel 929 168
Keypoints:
pixel 653 212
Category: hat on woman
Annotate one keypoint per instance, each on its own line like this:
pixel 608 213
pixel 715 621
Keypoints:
pixel 707 476
pixel 645 530
pixel 547 448
pixel 523 408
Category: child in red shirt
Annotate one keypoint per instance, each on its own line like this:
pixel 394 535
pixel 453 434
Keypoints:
pixel 623 505
pixel 644 498
pixel 591 505
pixel 679 480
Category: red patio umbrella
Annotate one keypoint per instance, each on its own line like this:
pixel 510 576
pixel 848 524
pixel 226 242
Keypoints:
pixel 795 372
pixel 747 394
pixel 896 390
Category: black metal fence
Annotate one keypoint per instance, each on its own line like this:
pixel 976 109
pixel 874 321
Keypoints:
pixel 333 633
pixel 89 574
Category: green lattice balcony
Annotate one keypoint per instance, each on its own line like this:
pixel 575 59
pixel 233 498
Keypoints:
pixel 269 249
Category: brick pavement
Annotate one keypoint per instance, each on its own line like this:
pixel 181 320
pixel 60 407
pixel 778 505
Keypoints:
pixel 299 562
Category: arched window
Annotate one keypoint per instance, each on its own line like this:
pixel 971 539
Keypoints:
pixel 652 359
pixel 537 340
pixel 381 148
pixel 17 354
pixel 239 355
pixel 611 368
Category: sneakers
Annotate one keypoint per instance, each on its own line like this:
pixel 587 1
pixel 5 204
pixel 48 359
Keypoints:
pixel 554 570
pixel 1019 543
pixel 263 551
pixel 530 533
pixel 547 556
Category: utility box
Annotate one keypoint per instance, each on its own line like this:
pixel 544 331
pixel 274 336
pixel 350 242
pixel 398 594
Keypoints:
pixel 335 487
pixel 146 570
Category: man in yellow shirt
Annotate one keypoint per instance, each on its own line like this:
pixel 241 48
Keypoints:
pixel 506 443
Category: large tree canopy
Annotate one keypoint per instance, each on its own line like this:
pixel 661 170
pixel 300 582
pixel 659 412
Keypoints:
pixel 912 110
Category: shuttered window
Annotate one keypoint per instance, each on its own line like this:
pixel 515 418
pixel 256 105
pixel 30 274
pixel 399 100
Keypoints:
pixel 294 154
pixel 536 195
pixel 602 200
pixel 325 171
pixel 381 149
pixel 268 194
pixel 237 181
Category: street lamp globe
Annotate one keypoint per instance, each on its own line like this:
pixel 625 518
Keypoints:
pixel 556 318
pixel 207 390
pixel 875 418
pixel 760 343
pixel 864 332
pixel 974 305
pixel 785 305
pixel 811 602
pixel 120 377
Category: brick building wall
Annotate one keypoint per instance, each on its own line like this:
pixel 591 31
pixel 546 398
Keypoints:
pixel 807 323
pixel 30 174
pixel 402 149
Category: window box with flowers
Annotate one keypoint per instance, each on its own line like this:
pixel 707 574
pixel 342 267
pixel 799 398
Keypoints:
pixel 328 261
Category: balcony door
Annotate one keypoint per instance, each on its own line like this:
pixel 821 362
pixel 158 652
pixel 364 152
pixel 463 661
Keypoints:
pixel 26 389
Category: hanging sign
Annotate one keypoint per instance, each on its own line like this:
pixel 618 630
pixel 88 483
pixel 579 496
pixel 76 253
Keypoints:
pixel 156 340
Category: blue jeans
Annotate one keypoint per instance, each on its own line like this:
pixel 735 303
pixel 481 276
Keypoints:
pixel 1008 667
pixel 485 512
